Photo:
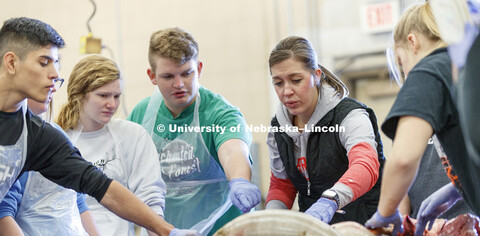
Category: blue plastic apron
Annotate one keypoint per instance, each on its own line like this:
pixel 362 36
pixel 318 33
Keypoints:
pixel 197 188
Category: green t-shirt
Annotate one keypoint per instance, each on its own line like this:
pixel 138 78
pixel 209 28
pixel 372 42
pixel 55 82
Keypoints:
pixel 214 111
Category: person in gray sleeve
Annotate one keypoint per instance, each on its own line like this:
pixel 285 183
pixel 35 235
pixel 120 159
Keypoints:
pixel 323 145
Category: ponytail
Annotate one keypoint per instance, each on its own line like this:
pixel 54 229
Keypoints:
pixel 69 115
pixel 332 80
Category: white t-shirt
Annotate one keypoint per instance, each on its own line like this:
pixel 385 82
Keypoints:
pixel 126 153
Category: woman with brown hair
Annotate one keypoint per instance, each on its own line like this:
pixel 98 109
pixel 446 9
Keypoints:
pixel 323 145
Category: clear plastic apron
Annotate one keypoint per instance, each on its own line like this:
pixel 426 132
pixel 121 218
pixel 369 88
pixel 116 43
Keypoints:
pixel 197 189
pixel 113 166
pixel 48 208
pixel 12 158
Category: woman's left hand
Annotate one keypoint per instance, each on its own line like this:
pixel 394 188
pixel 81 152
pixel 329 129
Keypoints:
pixel 323 209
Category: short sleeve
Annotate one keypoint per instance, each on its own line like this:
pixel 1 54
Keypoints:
pixel 233 126
pixel 222 121
pixel 423 96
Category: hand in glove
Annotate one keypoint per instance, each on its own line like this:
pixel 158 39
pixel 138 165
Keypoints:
pixel 323 209
pixel 244 194
pixel 437 203
pixel 378 221
pixel 183 232
pixel 458 52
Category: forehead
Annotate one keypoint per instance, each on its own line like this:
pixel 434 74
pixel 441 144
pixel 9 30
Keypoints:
pixel 164 64
pixel 288 66
pixel 114 86
pixel 47 52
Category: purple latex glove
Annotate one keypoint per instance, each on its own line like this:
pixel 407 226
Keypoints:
pixel 183 232
pixel 323 209
pixel 458 52
pixel 474 9
pixel 437 203
pixel 378 221
pixel 244 194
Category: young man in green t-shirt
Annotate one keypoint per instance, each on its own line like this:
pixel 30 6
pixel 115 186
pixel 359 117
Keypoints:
pixel 201 138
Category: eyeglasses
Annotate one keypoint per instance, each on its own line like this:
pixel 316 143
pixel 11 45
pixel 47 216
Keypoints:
pixel 58 82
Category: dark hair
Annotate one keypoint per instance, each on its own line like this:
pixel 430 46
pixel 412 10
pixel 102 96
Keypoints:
pixel 22 35
pixel 301 50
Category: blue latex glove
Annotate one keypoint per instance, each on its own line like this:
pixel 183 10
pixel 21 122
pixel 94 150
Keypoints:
pixel 244 194
pixel 458 52
pixel 378 221
pixel 437 203
pixel 323 209
pixel 183 232
pixel 474 9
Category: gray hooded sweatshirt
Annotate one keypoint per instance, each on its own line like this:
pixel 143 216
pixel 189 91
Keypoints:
pixel 357 126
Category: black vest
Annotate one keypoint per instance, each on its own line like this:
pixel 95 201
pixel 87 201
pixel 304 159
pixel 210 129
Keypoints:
pixel 327 161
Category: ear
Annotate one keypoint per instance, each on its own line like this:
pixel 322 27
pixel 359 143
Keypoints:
pixel 151 76
pixel 318 76
pixel 413 42
pixel 10 62
pixel 199 68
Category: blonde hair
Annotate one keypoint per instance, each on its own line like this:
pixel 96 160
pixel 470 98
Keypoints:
pixel 418 18
pixel 301 50
pixel 89 74
pixel 172 43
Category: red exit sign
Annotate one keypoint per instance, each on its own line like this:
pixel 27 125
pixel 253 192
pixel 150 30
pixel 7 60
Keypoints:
pixel 380 17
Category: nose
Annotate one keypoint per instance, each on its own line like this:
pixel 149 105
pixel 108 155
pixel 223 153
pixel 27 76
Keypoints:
pixel 178 83
pixel 112 103
pixel 53 73
pixel 287 90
